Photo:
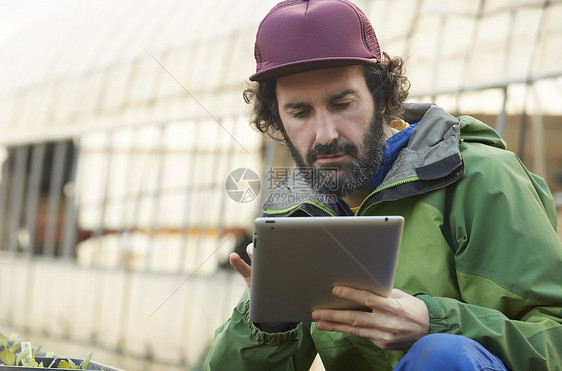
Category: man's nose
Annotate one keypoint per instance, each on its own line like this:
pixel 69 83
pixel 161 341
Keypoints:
pixel 326 128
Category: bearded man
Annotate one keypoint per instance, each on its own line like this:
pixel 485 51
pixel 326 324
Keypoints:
pixel 478 279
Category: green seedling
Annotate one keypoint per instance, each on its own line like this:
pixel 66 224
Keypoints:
pixel 15 352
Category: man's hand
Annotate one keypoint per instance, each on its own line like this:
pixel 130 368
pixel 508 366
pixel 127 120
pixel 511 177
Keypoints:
pixel 241 266
pixel 393 322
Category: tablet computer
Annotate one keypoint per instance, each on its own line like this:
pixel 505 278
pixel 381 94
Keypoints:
pixel 298 260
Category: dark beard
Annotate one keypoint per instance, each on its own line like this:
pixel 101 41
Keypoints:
pixel 347 178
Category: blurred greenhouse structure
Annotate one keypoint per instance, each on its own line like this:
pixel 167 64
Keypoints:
pixel 121 121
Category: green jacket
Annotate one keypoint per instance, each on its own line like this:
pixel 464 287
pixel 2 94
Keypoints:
pixel 479 247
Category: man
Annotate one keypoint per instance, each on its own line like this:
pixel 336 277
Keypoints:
pixel 478 283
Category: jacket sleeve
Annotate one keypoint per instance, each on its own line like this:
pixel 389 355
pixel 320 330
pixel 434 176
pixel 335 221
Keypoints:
pixel 508 261
pixel 240 345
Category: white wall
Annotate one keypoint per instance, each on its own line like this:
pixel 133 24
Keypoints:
pixel 171 317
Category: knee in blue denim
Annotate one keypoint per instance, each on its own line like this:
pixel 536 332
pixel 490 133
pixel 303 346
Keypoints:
pixel 443 348
pixel 448 352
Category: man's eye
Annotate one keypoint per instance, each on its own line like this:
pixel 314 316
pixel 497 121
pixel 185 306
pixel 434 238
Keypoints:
pixel 342 104
pixel 298 114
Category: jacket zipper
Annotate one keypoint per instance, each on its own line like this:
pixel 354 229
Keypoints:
pixel 321 207
pixel 378 190
pixel 325 209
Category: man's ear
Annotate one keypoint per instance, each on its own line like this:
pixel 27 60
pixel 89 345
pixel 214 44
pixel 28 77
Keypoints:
pixel 274 110
pixel 278 133
pixel 276 116
pixel 284 137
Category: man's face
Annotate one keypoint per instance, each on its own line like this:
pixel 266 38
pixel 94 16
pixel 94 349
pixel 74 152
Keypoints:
pixel 330 123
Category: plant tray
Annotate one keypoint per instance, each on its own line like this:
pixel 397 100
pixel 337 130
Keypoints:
pixel 47 361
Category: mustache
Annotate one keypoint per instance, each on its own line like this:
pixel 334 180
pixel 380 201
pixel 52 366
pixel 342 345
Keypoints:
pixel 334 147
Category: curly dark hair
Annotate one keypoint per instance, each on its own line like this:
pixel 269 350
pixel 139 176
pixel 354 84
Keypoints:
pixel 386 81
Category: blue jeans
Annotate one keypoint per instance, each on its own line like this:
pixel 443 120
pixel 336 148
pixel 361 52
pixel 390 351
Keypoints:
pixel 448 352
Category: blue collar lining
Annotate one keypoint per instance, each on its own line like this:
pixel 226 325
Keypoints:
pixel 394 145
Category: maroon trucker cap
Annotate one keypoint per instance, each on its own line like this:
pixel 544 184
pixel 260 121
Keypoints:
pixel 300 35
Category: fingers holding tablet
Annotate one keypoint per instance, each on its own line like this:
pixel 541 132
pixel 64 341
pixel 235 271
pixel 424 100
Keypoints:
pixel 393 322
pixel 243 268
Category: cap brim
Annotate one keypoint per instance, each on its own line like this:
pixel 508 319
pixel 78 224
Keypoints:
pixel 305 66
